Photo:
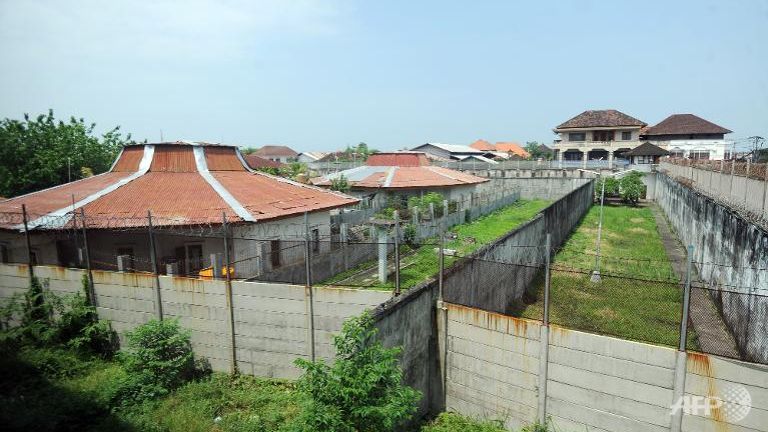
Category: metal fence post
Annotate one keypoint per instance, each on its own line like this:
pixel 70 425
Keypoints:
pixel 228 292
pixel 442 320
pixel 765 188
pixel 397 252
pixel 544 338
pixel 153 257
pixel 678 390
pixel 30 267
pixel 87 251
pixel 686 299
pixel 746 183
pixel 308 292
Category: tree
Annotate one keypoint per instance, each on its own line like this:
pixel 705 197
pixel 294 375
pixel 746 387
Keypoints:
pixel 362 391
pixel 340 184
pixel 631 187
pixel 43 152
pixel 537 151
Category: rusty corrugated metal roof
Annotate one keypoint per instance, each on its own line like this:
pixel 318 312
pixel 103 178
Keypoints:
pixel 177 193
pixel 222 159
pixel 400 177
pixel 129 159
pixel 397 159
pixel 175 158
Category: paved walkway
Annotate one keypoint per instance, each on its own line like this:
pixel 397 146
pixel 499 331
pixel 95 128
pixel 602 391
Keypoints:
pixel 713 335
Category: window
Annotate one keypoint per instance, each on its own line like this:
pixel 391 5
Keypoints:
pixel 577 136
pixel 128 265
pixel 703 155
pixel 626 136
pixel 315 240
pixel 274 253
pixel 4 255
pixel 602 136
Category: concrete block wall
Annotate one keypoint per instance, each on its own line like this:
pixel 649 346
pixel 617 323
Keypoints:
pixel 608 384
pixel 545 187
pixel 492 366
pixel 503 285
pixel 594 382
pixel 270 320
pixel 739 190
pixel 733 256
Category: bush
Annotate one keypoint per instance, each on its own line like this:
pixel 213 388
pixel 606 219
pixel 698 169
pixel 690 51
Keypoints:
pixel 159 359
pixel 361 391
pixel 450 422
pixel 47 320
pixel 631 187
pixel 409 235
pixel 340 184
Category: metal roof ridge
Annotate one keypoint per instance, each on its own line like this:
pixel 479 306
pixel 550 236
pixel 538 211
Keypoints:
pixel 232 202
pixel 144 164
pixel 390 176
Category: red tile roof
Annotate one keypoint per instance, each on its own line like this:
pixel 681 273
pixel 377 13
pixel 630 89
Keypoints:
pixel 256 162
pixel 275 150
pixel 685 124
pixel 483 145
pixel 512 147
pixel 601 118
pixel 175 189
pixel 506 147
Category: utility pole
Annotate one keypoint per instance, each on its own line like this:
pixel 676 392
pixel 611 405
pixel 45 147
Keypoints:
pixel 757 145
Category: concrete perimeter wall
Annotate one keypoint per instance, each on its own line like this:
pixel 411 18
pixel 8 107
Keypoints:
pixel 270 320
pixel 549 188
pixel 503 285
pixel 735 256
pixel 750 193
pixel 595 382
pixel 410 320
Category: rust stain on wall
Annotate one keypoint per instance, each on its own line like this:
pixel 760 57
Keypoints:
pixel 699 364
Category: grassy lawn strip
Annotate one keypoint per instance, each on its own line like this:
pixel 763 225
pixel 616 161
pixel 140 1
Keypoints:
pixel 643 304
pixel 424 263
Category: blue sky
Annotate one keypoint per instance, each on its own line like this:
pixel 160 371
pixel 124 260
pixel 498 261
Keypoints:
pixel 318 75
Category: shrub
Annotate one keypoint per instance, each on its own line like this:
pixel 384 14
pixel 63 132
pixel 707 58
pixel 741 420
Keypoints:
pixel 47 320
pixel 158 359
pixel 631 187
pixel 409 235
pixel 450 422
pixel 340 184
pixel 361 391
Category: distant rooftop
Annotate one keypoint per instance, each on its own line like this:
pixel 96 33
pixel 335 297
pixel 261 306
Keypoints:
pixel 685 124
pixel 601 118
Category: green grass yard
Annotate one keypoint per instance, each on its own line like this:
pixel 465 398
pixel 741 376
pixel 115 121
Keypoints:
pixel 422 263
pixel 638 298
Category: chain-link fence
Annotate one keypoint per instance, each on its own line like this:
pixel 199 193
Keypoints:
pixel 637 299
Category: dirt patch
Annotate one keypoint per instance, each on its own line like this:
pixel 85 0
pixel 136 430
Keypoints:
pixel 638 230
pixel 607 312
pixel 637 220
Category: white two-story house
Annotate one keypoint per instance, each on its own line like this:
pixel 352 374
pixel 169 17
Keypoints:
pixel 597 135
pixel 690 136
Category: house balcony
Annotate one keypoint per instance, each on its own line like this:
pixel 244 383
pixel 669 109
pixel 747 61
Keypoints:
pixel 596 145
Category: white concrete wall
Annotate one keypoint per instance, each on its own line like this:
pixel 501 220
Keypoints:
pixel 595 383
pixel 492 366
pixel 739 191
pixel 271 320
